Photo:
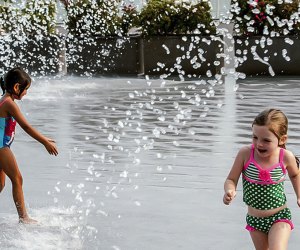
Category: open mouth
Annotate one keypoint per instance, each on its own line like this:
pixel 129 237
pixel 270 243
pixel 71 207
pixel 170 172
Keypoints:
pixel 261 150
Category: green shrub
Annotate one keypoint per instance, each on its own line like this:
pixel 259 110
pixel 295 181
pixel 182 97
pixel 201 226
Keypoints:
pixel 265 17
pixel 38 17
pixel 9 16
pixel 41 17
pixel 166 17
pixel 93 17
pixel 128 18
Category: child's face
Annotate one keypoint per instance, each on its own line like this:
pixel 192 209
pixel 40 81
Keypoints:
pixel 264 141
pixel 24 92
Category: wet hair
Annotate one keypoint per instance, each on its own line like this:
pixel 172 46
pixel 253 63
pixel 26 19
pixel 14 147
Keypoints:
pixel 277 123
pixel 12 77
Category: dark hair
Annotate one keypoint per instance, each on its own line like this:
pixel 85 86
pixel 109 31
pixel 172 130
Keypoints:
pixel 277 123
pixel 12 77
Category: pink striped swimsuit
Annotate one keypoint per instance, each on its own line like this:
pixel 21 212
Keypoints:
pixel 264 188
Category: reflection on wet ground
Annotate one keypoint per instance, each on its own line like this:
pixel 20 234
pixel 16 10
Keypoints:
pixel 142 162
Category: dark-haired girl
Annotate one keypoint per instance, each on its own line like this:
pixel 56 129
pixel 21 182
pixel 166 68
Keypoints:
pixel 15 84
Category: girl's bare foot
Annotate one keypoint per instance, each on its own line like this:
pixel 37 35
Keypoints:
pixel 27 220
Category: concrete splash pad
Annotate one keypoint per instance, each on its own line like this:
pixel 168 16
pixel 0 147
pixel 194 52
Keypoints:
pixel 141 163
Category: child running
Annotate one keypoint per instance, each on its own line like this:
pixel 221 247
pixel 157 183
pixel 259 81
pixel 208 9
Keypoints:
pixel 14 86
pixel 263 166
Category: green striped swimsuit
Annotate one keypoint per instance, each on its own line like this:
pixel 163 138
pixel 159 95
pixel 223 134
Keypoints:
pixel 264 188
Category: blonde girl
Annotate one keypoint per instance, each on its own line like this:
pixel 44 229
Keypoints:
pixel 263 166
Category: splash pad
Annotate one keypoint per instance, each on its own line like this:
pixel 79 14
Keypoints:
pixel 142 160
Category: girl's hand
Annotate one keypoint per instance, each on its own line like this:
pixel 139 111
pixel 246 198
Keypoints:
pixel 51 147
pixel 229 196
pixel 298 202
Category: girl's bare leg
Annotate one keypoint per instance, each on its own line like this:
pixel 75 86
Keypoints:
pixel 279 235
pixel 2 180
pixel 260 240
pixel 9 165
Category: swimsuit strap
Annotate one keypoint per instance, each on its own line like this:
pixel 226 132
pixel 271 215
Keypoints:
pixel 251 158
pixel 281 155
pixel 1 103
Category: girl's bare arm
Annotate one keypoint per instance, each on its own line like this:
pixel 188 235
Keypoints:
pixel 15 112
pixel 234 175
pixel 294 173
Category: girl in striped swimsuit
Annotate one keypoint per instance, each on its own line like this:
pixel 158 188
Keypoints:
pixel 263 166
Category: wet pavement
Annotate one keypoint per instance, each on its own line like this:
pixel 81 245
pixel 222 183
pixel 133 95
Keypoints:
pixel 141 164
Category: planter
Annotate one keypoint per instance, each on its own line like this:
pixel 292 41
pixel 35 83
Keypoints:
pixel 169 55
pixel 256 54
pixel 38 57
pixel 188 54
pixel 172 55
pixel 103 55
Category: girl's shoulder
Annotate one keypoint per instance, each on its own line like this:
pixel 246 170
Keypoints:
pixel 6 105
pixel 246 149
pixel 290 161
pixel 288 155
pixel 245 152
pixel 4 102
pixel 7 100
